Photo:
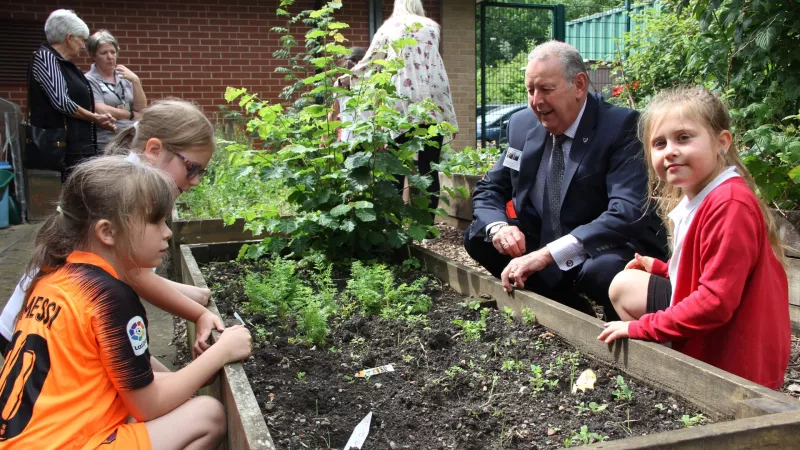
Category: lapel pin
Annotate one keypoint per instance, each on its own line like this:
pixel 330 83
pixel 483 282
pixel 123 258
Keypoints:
pixel 585 140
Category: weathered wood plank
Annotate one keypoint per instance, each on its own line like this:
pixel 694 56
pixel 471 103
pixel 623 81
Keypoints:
pixel 247 429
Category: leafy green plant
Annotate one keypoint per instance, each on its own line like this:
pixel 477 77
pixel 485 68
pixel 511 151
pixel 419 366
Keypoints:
pixel 623 391
pixel 300 377
pixel 539 382
pixel 528 317
pixel 273 293
pixel 231 189
pixel 473 329
pixel 512 366
pixel 592 407
pixel 690 421
pixel 659 406
pixel 508 313
pixel 468 161
pixel 344 193
pixel 573 358
pixel 744 50
pixel 375 291
pixel 454 371
pixel 584 437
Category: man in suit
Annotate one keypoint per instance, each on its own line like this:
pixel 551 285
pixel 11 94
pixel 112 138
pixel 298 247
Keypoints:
pixel 563 210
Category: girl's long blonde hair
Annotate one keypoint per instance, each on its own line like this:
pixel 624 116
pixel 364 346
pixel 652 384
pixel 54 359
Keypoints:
pixel 703 107
pixel 178 124
pixel 108 187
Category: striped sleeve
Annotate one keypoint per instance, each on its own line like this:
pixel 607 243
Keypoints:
pixel 48 74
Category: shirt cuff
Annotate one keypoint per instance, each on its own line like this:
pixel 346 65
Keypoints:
pixel 489 228
pixel 567 251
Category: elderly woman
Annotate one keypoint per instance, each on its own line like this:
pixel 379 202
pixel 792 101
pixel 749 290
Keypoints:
pixel 117 90
pixel 59 95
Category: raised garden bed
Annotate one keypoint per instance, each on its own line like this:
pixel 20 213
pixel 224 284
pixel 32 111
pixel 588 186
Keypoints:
pixel 717 393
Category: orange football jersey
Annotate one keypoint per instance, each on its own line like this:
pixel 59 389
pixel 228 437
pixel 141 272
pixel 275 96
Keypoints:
pixel 80 338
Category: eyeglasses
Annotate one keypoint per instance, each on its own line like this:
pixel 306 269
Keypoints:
pixel 192 168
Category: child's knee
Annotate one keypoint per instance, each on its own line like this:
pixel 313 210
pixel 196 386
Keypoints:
pixel 212 414
pixel 619 286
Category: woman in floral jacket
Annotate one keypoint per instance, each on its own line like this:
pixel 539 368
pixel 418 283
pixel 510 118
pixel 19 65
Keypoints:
pixel 422 77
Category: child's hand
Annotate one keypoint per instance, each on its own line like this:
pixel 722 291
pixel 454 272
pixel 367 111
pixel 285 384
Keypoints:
pixel 198 294
pixel 640 263
pixel 614 330
pixel 202 330
pixel 237 343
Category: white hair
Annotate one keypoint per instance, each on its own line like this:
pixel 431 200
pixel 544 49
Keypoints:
pixel 408 7
pixel 569 56
pixel 63 22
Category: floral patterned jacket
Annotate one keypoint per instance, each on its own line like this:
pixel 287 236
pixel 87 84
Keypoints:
pixel 424 75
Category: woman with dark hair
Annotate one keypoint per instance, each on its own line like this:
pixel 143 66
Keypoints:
pixel 59 95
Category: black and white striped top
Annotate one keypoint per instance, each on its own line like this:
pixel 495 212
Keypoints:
pixel 48 73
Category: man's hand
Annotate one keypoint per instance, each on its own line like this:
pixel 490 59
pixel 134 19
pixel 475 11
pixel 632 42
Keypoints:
pixel 640 262
pixel 614 330
pixel 509 241
pixel 202 330
pixel 519 269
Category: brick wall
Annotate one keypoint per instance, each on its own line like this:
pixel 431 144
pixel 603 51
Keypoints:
pixel 191 50
pixel 458 42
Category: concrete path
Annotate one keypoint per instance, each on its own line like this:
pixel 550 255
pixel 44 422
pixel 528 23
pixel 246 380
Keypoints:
pixel 16 248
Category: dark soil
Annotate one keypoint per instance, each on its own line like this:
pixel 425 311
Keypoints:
pixel 310 399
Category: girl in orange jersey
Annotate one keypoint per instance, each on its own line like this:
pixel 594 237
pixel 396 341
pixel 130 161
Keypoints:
pixel 78 363
pixel 174 136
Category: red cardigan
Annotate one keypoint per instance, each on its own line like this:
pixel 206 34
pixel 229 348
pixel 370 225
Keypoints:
pixel 731 299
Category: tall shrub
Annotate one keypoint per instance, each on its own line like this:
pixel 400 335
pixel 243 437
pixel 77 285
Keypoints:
pixel 344 193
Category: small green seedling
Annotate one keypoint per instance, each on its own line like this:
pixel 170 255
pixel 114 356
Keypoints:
pixel 623 391
pixel 539 345
pixel 659 406
pixel 584 437
pixel 512 366
pixel 453 371
pixel 473 329
pixel 528 317
pixel 408 358
pixel 508 313
pixel 473 305
pixel 592 407
pixel 690 421
pixel 300 376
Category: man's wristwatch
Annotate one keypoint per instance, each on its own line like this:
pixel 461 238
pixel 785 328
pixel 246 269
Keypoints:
pixel 494 229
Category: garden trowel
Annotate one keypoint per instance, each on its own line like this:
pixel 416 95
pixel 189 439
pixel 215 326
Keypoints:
pixel 360 433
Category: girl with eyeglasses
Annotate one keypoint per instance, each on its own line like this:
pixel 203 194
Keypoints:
pixel 173 135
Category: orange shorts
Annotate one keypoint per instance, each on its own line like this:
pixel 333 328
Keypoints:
pixel 133 436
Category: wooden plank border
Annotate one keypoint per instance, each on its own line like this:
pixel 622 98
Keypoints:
pixel 247 429
pixel 713 390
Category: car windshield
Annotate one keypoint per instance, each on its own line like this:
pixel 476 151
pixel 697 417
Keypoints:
pixel 495 116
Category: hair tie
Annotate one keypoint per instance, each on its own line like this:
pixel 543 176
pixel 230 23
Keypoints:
pixel 136 125
pixel 59 210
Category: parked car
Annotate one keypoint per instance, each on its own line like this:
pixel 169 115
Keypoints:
pixel 496 121
pixel 487 108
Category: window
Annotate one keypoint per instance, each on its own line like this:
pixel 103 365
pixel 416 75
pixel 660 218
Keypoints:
pixel 18 40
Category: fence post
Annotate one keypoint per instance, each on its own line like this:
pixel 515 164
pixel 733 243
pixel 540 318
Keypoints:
pixel 560 23
pixel 483 74
pixel 627 16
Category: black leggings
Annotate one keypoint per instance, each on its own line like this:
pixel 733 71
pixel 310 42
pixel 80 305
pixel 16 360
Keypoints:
pixel 429 154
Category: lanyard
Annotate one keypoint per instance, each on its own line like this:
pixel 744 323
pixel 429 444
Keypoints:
pixel 113 89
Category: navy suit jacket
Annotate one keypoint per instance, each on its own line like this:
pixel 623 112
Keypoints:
pixel 604 189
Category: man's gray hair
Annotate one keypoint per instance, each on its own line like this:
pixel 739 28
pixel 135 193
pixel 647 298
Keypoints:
pixel 99 38
pixel 569 56
pixel 63 22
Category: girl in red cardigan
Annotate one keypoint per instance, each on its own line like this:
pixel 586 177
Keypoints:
pixel 723 296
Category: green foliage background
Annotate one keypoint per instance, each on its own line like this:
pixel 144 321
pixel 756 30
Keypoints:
pixel 744 50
